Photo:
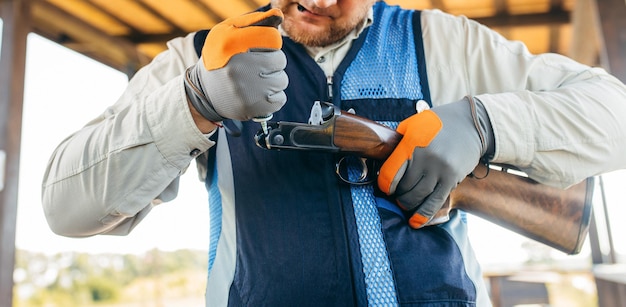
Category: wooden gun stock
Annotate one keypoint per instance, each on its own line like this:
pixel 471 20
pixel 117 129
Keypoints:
pixel 556 217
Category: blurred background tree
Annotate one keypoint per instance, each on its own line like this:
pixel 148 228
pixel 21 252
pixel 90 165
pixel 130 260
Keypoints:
pixel 81 279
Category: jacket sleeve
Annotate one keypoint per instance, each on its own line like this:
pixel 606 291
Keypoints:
pixel 107 176
pixel 557 120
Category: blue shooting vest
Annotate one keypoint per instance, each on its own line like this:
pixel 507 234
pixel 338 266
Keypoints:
pixel 298 242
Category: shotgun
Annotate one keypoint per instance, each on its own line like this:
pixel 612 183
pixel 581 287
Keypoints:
pixel 556 217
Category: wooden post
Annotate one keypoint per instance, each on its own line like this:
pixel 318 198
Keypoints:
pixel 15 19
pixel 585 43
pixel 608 17
pixel 613 24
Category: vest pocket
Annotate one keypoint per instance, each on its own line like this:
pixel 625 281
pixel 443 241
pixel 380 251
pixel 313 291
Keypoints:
pixel 427 264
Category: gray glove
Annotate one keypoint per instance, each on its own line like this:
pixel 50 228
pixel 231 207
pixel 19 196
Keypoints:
pixel 440 147
pixel 240 74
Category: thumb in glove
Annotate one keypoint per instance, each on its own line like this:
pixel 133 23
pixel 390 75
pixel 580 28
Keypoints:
pixel 438 149
pixel 240 34
pixel 240 74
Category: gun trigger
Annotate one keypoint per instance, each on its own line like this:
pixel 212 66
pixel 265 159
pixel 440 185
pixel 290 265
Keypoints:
pixel 316 114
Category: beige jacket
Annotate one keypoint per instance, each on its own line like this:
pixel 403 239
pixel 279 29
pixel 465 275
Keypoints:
pixel 557 120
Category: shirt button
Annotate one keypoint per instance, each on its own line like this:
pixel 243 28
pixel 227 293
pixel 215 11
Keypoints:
pixel 195 152
pixel 321 59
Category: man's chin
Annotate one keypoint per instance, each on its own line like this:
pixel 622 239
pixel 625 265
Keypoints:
pixel 309 35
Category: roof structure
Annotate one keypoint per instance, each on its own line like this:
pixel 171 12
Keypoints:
pixel 127 34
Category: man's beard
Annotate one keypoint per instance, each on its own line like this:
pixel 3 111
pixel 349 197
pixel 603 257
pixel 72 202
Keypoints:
pixel 332 34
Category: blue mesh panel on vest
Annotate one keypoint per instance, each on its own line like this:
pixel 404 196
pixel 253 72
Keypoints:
pixel 215 214
pixel 379 281
pixel 387 66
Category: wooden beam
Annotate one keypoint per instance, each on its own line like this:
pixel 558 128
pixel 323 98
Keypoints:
pixel 157 14
pixel 500 7
pixel 208 11
pixel 57 25
pixel 555 38
pixel 154 38
pixel 613 24
pixel 251 4
pixel 554 17
pixel 133 31
pixel 438 4
pixel 556 5
pixel 15 16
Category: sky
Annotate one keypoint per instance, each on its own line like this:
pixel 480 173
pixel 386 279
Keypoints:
pixel 64 90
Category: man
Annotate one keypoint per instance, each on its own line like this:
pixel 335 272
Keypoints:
pixel 285 230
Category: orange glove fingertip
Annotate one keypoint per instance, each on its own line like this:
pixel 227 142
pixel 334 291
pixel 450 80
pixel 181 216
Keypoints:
pixel 417 221
pixel 239 35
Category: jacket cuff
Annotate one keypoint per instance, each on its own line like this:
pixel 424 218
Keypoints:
pixel 174 132
pixel 512 129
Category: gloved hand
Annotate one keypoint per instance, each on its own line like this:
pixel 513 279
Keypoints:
pixel 240 74
pixel 438 149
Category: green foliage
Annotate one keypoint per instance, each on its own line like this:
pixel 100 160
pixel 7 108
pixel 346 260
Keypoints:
pixel 79 279
pixel 102 289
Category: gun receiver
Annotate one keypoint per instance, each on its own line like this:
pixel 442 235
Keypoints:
pixel 556 217
pixel 337 132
